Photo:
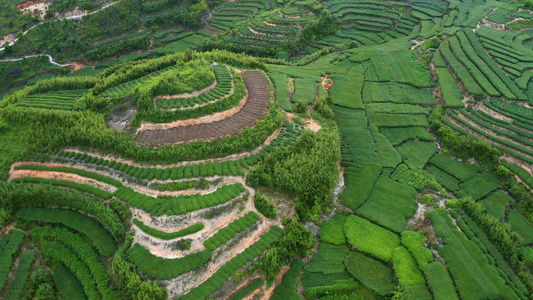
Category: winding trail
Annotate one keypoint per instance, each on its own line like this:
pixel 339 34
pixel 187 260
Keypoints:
pixel 75 16
pixel 50 58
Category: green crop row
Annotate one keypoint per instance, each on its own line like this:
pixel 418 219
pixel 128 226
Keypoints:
pixel 78 186
pixel 520 137
pixel 248 289
pixel 439 282
pixel 513 108
pixel 333 231
pixel 460 71
pixel 69 287
pixel 390 203
pixel 473 275
pixel 477 73
pixel 225 234
pixel 77 247
pixel 288 288
pixel 479 186
pixel 100 238
pixel 178 205
pixel 396 93
pixel 520 172
pixel 497 107
pixel 220 277
pixel 409 275
pixel 367 237
pixel 82 173
pixel 21 275
pixel 229 167
pixel 502 266
pixel 9 245
pixel 168 235
pixel 329 259
pixel 452 95
pixel 379 279
pixel 461 171
pixel 359 181
pixel 161 268
pixel 221 90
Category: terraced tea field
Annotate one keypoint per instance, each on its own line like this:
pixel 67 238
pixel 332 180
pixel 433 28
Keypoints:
pixel 343 149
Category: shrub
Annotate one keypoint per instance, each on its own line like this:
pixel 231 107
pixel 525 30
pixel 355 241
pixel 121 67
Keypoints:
pixel 168 235
pixel 248 289
pixel 329 259
pixel 9 245
pixel 21 275
pixel 264 206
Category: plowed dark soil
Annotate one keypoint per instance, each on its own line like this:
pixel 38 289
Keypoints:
pixel 255 109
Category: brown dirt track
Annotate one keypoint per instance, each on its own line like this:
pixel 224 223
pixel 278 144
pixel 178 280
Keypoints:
pixel 255 108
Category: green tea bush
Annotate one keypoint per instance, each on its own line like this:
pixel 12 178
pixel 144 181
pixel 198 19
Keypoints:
pixel 82 187
pixel 288 288
pixel 220 277
pixel 414 242
pixel 389 204
pixel 406 268
pixel 168 235
pixel 370 238
pixel 9 245
pixel 333 231
pixel 81 250
pixel 370 272
pixel 69 287
pixel 223 235
pixel 160 268
pixel 15 196
pixel 21 275
pixel 329 259
pixel 359 181
pixel 100 238
pixel 248 289
pixel 439 281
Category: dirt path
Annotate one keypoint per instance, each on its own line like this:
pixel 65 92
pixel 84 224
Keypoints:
pixel 164 248
pixel 277 281
pixel 193 94
pixel 63 176
pixel 243 285
pixel 220 126
pixel 80 14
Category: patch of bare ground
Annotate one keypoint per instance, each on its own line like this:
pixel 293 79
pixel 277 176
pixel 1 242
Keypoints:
pixel 229 123
pixel 313 125
pixel 327 82
pixel 222 159
pixel 35 8
pixel 489 140
pixel 212 29
pixel 120 118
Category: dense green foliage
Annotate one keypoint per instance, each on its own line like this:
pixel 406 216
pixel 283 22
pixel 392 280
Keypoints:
pixel 168 235
pixel 305 170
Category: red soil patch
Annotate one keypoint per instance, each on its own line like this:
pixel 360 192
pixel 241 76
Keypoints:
pixel 28 4
pixel 279 277
pixel 252 111
pixel 326 84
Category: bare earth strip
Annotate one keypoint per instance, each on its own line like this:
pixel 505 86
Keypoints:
pixel 255 109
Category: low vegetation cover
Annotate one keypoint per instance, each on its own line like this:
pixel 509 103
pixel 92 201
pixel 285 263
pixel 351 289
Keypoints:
pixel 168 235
pixel 194 150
